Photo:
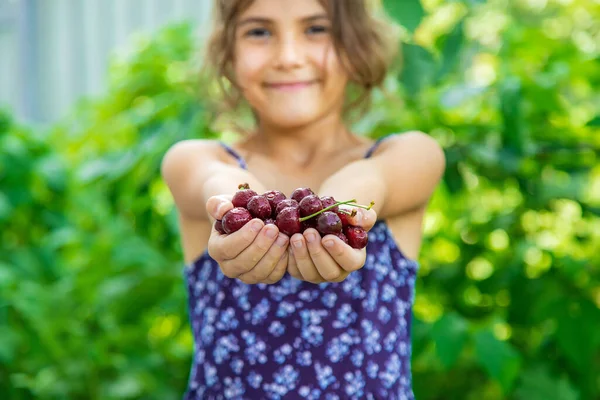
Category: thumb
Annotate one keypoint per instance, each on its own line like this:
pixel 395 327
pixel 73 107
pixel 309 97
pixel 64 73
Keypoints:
pixel 217 206
pixel 364 218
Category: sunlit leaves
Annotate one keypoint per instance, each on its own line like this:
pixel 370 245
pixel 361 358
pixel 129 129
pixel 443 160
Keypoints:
pixel 500 359
pixel 406 12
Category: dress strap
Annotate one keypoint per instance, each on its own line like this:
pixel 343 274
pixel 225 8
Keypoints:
pixel 236 155
pixel 375 145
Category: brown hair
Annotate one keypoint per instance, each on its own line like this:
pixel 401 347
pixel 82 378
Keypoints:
pixel 356 30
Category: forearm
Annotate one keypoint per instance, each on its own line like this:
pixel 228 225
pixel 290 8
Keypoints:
pixel 226 180
pixel 358 180
pixel 223 180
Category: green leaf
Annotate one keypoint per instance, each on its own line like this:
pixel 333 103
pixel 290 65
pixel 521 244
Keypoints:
pixel 449 334
pixel 418 69
pixel 537 384
pixel 576 332
pixel 5 207
pixel 407 13
pixel 451 46
pixel 595 122
pixel 52 169
pixel 499 359
pixel 9 344
pixel 513 133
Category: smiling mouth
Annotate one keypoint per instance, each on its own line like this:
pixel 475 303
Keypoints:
pixel 289 86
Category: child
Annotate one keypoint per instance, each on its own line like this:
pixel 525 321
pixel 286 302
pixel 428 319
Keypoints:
pixel 301 318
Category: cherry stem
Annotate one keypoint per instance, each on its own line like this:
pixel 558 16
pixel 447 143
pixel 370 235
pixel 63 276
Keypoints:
pixel 348 202
pixel 243 186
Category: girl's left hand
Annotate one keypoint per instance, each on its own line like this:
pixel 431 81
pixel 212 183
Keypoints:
pixel 312 260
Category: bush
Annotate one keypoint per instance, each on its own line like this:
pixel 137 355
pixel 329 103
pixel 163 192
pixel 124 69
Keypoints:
pixel 508 294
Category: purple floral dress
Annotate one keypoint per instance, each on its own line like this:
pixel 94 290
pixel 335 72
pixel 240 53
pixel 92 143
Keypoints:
pixel 297 340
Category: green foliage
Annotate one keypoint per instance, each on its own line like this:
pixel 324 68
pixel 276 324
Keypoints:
pixel 508 297
pixel 510 270
pixel 92 292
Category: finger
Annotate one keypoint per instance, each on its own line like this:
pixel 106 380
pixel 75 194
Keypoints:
pixel 303 261
pixel 227 247
pixel 250 257
pixel 279 270
pixel 292 267
pixel 267 263
pixel 366 219
pixel 217 206
pixel 322 260
pixel 348 258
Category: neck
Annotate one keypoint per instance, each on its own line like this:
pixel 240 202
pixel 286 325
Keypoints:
pixel 300 146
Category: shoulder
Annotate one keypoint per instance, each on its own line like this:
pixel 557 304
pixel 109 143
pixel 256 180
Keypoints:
pixel 185 155
pixel 414 148
pixel 191 149
pixel 413 141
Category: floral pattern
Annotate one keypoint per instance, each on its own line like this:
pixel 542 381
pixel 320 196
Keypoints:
pixel 297 340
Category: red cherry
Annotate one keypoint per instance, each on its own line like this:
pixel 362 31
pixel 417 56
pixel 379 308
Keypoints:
pixel 329 201
pixel 341 236
pixel 288 221
pixel 357 236
pixel 219 226
pixel 301 193
pixel 241 197
pixel 328 222
pixel 286 203
pixel 310 205
pixel 234 219
pixel 345 217
pixel 259 207
pixel 274 197
pixel 269 221
pixel 309 223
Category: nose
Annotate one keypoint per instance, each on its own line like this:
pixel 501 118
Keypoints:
pixel 289 52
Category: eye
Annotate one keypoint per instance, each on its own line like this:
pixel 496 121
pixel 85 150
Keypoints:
pixel 258 33
pixel 317 29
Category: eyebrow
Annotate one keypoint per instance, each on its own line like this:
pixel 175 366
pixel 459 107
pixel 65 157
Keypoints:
pixel 250 20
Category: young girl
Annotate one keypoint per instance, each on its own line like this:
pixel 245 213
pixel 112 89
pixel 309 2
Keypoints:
pixel 304 317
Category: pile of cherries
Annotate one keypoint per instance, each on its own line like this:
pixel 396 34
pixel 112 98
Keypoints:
pixel 303 210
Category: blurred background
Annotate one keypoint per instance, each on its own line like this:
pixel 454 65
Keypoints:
pixel 92 93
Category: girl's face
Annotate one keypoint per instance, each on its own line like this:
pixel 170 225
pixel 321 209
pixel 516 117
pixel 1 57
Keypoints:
pixel 285 63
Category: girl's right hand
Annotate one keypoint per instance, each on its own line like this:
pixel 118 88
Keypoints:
pixel 257 253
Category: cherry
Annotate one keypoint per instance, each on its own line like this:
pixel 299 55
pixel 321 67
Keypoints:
pixel 301 211
pixel 241 197
pixel 341 236
pixel 301 193
pixel 357 236
pixel 285 203
pixel 234 219
pixel 259 207
pixel 345 216
pixel 288 221
pixel 309 223
pixel 310 205
pixel 329 222
pixel 329 201
pixel 219 226
pixel 274 197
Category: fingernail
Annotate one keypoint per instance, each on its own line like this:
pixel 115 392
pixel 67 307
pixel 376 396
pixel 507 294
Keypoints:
pixel 329 243
pixel 271 232
pixel 298 243
pixel 256 226
pixel 310 237
pixel 281 240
